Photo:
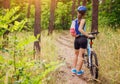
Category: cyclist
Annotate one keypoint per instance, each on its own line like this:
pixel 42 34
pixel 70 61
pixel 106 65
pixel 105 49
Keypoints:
pixel 77 30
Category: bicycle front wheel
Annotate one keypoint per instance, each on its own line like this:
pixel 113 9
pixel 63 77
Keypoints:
pixel 94 65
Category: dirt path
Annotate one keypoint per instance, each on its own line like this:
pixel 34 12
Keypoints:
pixel 66 53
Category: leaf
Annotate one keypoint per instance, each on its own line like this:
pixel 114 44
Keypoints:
pixel 25 42
pixel 1 59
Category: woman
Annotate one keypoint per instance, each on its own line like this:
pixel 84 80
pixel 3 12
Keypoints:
pixel 77 30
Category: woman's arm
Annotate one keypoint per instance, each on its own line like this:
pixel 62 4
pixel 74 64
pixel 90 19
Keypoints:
pixel 81 28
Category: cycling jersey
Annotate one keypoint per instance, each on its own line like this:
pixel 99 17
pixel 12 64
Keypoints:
pixel 75 25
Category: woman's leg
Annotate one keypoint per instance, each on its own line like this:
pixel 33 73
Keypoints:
pixel 75 58
pixel 80 61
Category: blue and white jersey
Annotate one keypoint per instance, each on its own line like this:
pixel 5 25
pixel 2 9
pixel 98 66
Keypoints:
pixel 75 25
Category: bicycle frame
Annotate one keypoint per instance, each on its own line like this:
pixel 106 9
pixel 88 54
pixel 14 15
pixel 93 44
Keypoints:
pixel 92 57
pixel 89 50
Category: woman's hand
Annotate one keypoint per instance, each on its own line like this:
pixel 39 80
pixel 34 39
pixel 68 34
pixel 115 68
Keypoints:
pixel 90 36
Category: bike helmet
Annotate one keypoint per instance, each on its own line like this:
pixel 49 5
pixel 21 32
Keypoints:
pixel 81 8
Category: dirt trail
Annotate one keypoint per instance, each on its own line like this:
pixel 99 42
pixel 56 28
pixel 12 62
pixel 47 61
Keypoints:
pixel 66 53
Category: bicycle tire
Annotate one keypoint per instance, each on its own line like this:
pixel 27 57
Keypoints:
pixel 94 66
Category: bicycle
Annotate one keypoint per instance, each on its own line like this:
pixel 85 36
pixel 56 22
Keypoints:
pixel 91 58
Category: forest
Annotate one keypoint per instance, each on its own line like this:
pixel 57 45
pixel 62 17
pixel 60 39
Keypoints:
pixel 35 40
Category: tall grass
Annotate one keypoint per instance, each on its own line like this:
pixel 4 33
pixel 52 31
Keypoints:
pixel 107 47
pixel 49 49
pixel 28 70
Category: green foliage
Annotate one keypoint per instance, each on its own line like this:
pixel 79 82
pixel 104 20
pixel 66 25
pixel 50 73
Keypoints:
pixel 63 15
pixel 109 13
pixel 48 68
pixel 45 13
pixel 27 70
pixel 17 26
pixel 6 21
pixel 24 42
pixel 9 16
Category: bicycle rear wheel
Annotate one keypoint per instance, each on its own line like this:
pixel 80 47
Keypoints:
pixel 94 65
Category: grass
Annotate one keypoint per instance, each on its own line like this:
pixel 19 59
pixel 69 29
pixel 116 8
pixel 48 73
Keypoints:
pixel 108 50
pixel 49 49
pixel 106 46
pixel 28 70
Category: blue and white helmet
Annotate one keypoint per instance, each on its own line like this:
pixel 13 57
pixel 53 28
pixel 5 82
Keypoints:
pixel 82 8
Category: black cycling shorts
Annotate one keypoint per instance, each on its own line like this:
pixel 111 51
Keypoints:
pixel 80 42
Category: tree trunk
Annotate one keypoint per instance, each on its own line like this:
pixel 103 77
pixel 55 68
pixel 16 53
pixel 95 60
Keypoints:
pixel 73 9
pixel 63 22
pixel 37 28
pixel 95 5
pixel 79 2
pixel 6 4
pixel 103 1
pixel 84 2
pixel 52 16
pixel 29 5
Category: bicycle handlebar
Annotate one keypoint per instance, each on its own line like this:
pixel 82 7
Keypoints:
pixel 94 33
pixel 92 37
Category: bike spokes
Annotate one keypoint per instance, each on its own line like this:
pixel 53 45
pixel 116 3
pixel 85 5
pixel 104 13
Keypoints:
pixel 94 66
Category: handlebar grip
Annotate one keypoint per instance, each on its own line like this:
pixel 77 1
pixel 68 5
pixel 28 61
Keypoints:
pixel 92 37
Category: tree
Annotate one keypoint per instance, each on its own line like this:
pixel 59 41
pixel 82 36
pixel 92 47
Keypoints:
pixel 37 28
pixel 52 16
pixel 95 4
pixel 79 2
pixel 84 2
pixel 29 5
pixel 6 4
pixel 73 8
